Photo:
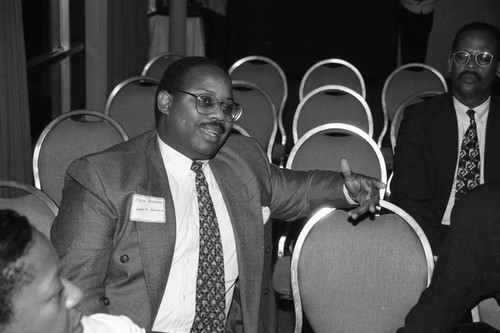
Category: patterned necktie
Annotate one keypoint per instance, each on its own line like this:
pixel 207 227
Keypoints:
pixel 468 175
pixel 210 313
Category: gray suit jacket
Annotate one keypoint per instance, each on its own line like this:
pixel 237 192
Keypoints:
pixel 122 266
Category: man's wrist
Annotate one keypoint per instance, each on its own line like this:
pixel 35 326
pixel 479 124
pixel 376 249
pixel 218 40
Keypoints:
pixel 351 199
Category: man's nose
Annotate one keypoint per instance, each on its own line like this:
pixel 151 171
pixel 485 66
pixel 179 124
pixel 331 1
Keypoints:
pixel 218 113
pixel 472 63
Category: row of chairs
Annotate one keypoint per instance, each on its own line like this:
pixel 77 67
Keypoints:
pixel 400 84
pixel 332 90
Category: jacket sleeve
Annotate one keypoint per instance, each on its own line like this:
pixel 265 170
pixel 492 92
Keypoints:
pixel 83 232
pixel 411 184
pixel 297 194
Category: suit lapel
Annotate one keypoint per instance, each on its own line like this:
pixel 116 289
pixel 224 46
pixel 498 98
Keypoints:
pixel 245 214
pixel 447 127
pixel 492 144
pixel 156 240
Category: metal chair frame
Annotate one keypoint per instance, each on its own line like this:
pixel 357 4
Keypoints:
pixel 149 67
pixel 59 119
pixel 398 116
pixel 331 88
pixel 279 106
pixel 334 61
pixel 272 136
pixel 333 127
pixel 320 215
pixel 388 116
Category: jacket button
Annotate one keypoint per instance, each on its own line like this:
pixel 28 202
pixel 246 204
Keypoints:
pixel 104 300
pixel 124 259
pixel 268 249
pixel 266 291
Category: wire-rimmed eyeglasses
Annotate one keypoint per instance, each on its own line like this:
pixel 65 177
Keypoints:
pixel 483 59
pixel 206 103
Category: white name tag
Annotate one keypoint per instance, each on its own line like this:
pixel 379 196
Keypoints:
pixel 148 209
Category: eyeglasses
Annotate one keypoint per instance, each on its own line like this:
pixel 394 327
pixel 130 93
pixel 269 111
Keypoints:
pixel 483 59
pixel 206 103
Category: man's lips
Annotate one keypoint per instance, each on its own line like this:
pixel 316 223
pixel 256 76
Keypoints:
pixel 213 128
pixel 468 76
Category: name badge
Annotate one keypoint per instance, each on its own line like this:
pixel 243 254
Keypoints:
pixel 147 209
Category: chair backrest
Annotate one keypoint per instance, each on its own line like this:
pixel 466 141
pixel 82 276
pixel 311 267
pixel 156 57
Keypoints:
pixel 259 116
pixel 157 65
pixel 132 103
pixel 487 311
pixel 332 71
pixel 331 104
pixel 68 137
pixel 31 203
pixel 398 117
pixel 405 81
pixel 359 278
pixel 268 75
pixel 323 148
pixel 240 130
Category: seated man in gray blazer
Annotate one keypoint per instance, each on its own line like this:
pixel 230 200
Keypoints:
pixel 168 227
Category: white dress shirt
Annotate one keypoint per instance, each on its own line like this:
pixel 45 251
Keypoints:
pixel 177 308
pixel 463 123
pixel 105 323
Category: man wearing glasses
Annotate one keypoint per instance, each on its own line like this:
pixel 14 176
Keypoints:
pixel 450 144
pixel 170 227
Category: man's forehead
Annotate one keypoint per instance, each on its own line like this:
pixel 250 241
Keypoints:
pixel 206 78
pixel 205 71
pixel 476 36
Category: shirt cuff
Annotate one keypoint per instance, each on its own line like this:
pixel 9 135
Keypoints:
pixel 104 323
pixel 348 196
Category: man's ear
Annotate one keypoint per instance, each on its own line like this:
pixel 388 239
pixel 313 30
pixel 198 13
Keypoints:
pixel 450 64
pixel 164 100
pixel 498 69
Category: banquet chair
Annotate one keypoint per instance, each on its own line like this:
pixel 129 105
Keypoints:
pixel 259 116
pixel 332 71
pixel 487 311
pixel 132 103
pixel 70 136
pixel 30 202
pixel 398 116
pixel 403 82
pixel 157 65
pixel 268 75
pixel 237 129
pixel 331 104
pixel 323 148
pixel 359 277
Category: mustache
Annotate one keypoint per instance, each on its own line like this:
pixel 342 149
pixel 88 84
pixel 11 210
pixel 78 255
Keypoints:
pixel 478 77
pixel 217 126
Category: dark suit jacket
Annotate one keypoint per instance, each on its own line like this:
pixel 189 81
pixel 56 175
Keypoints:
pixel 425 160
pixel 122 266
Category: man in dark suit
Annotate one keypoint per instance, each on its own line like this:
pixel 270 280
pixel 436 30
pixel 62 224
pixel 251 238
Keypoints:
pixel 129 227
pixel 468 269
pixel 429 140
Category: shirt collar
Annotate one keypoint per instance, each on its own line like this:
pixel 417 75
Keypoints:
pixel 462 109
pixel 178 164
